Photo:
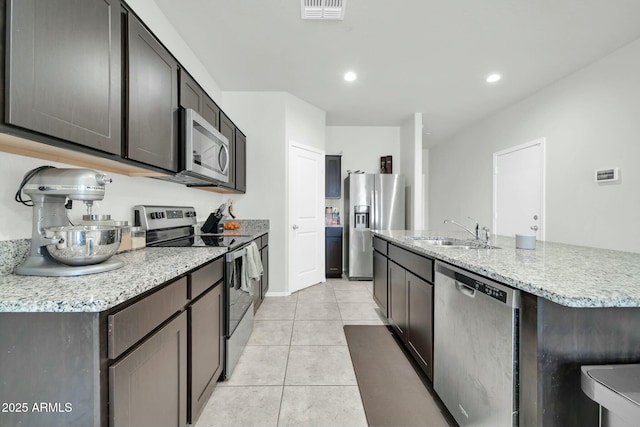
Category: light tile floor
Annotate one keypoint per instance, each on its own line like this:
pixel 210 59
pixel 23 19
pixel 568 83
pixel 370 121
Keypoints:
pixel 296 369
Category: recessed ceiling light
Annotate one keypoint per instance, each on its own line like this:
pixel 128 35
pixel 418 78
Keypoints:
pixel 492 78
pixel 350 76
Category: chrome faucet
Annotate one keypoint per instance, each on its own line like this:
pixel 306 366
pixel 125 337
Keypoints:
pixel 476 234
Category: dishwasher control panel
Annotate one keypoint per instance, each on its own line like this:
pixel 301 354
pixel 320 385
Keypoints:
pixel 485 288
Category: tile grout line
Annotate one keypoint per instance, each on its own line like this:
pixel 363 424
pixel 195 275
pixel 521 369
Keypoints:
pixel 284 379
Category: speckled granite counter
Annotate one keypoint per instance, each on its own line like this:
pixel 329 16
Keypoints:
pixel 143 270
pixel 248 227
pixel 573 276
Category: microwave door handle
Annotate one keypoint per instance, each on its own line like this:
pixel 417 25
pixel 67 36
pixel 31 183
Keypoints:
pixel 224 167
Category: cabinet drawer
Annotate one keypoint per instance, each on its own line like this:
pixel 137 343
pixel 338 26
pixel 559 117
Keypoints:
pixel 207 276
pixel 380 245
pixel 129 325
pixel 419 265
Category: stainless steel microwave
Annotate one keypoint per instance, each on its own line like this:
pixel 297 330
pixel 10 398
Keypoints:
pixel 206 149
pixel 205 159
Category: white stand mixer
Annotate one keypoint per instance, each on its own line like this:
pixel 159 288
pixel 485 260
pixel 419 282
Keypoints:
pixel 49 189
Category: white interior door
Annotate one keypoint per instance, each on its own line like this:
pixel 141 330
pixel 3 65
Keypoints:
pixel 306 217
pixel 518 190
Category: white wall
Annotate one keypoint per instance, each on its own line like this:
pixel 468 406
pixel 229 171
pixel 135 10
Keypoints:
pixel 120 197
pixel 261 116
pixel 590 121
pixel 411 167
pixel 361 148
pixel 305 123
pixel 425 187
pixel 269 120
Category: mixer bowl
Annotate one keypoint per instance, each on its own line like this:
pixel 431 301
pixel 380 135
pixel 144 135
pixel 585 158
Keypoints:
pixel 83 244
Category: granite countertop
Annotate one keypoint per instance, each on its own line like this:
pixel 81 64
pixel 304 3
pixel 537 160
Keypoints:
pixel 143 270
pixel 573 276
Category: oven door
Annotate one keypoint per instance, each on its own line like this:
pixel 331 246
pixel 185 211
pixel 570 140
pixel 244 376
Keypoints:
pixel 206 149
pixel 239 295
pixel 239 309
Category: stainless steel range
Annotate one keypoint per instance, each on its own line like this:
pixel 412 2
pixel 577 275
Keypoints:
pixel 176 226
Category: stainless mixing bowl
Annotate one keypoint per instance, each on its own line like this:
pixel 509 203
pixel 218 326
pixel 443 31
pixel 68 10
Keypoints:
pixel 83 244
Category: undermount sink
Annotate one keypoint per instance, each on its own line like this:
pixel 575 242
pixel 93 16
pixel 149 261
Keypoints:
pixel 447 242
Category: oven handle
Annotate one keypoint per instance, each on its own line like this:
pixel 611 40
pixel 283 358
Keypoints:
pixel 232 256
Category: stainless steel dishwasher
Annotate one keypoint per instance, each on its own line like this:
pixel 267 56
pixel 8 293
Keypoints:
pixel 476 329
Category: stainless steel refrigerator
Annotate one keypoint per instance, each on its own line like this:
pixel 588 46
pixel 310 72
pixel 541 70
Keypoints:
pixel 371 202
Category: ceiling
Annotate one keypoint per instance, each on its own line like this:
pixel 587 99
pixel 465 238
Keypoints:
pixel 429 56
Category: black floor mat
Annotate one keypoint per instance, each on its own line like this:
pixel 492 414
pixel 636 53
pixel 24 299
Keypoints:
pixel 393 392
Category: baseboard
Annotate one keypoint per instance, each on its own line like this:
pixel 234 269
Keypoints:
pixel 277 294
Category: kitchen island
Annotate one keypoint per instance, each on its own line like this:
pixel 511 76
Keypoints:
pixel 580 306
pixel 92 350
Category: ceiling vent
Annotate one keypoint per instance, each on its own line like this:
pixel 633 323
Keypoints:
pixel 323 9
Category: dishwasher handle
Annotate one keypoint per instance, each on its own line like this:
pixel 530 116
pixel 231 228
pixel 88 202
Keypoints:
pixel 465 290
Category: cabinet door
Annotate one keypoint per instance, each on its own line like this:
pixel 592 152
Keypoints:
pixel 332 177
pixel 380 281
pixel 191 96
pixel 398 299
pixel 420 315
pixel 228 129
pixel 152 100
pixel 64 74
pixel 206 353
pixel 241 161
pixel 333 252
pixel 211 112
pixel 148 387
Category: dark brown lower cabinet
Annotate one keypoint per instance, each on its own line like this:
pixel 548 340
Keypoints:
pixel 380 281
pixel 333 252
pixel 420 321
pixel 398 299
pixel 148 387
pixel 206 347
pixel 409 298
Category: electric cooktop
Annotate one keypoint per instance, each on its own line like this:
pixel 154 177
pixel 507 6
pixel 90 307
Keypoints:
pixel 193 240
pixel 175 226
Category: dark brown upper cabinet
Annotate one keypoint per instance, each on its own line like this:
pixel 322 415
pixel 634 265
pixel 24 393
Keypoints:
pixel 332 177
pixel 194 97
pixel 228 129
pixel 241 161
pixel 64 70
pixel 152 101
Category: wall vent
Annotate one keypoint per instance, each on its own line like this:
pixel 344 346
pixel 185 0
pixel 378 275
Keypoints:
pixel 323 9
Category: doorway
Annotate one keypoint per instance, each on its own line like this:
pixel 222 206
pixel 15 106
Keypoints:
pixel 519 190
pixel 306 216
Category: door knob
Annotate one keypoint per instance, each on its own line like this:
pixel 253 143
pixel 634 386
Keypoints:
pixel 295 227
pixel 534 227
